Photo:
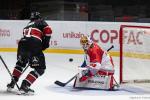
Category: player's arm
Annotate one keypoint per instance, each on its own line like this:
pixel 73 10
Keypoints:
pixel 46 35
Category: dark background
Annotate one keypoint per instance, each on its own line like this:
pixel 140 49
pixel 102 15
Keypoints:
pixel 78 10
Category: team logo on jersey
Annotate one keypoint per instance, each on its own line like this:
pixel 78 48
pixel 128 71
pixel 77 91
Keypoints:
pixel 35 61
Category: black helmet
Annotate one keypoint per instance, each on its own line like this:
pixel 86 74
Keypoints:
pixel 35 15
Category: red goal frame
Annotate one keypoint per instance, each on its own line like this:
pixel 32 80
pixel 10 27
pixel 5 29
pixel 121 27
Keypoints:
pixel 121 47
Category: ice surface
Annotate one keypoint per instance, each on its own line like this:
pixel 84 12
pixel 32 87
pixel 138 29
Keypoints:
pixel 59 68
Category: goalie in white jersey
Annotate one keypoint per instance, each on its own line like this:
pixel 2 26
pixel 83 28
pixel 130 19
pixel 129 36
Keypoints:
pixel 97 70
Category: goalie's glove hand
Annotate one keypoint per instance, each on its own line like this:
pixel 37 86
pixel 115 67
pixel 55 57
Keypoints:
pixel 84 71
pixel 84 74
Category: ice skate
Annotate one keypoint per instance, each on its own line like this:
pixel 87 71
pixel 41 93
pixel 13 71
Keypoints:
pixel 25 90
pixel 10 86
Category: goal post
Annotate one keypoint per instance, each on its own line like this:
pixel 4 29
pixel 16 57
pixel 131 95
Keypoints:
pixel 134 54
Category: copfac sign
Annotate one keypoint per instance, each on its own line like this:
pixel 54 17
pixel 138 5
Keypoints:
pixel 131 37
pixel 104 36
pixel 110 36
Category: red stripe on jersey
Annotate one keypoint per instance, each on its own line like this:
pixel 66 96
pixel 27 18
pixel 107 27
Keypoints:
pixel 47 31
pixel 30 78
pixel 36 33
pixel 16 73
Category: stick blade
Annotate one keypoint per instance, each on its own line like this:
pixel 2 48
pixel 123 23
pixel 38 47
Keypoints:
pixel 60 83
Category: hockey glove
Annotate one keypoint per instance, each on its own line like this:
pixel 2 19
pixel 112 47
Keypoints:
pixel 84 74
pixel 45 42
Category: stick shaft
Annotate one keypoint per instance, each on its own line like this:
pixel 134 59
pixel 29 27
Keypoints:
pixel 9 71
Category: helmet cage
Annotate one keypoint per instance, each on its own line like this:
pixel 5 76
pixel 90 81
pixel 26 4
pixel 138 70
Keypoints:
pixel 84 42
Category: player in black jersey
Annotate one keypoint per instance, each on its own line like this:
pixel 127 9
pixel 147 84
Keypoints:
pixel 36 37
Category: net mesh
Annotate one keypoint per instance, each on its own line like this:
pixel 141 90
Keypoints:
pixel 135 66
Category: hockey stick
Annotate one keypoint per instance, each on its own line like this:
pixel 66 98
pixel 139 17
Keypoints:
pixel 10 72
pixel 110 48
pixel 25 68
pixel 117 84
pixel 64 84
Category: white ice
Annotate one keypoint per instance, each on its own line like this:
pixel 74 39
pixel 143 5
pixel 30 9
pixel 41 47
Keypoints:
pixel 59 68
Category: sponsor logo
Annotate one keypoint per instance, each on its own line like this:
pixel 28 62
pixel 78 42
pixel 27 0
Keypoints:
pixel 95 82
pixel 4 33
pixel 73 35
pixel 112 36
pixel 35 61
pixel 104 36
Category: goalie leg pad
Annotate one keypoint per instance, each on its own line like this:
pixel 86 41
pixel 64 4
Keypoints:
pixel 96 82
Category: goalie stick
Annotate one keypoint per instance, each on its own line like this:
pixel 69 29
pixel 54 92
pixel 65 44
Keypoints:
pixel 64 84
pixel 10 72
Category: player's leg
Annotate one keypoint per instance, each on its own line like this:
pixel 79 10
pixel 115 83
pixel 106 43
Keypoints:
pixel 22 59
pixel 38 64
pixel 16 74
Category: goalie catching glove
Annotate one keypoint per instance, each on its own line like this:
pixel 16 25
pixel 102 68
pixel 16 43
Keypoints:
pixel 84 73
pixel 88 71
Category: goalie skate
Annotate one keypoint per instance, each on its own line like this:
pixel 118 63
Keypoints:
pixel 115 87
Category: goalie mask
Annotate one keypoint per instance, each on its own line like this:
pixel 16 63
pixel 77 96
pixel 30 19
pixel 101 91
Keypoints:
pixel 85 42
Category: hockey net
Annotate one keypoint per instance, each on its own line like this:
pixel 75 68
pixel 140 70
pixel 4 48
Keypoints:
pixel 134 54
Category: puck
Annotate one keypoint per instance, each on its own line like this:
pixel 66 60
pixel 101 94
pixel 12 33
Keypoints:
pixel 70 59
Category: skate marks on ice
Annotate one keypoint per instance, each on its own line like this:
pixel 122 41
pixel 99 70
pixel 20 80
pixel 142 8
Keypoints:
pixel 6 93
pixel 136 88
pixel 13 93
pixel 123 90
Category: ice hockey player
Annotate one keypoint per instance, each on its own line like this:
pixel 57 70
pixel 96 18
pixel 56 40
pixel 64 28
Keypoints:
pixel 97 70
pixel 36 37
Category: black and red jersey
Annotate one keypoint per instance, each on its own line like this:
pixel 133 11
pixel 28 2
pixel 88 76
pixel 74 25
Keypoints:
pixel 38 29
